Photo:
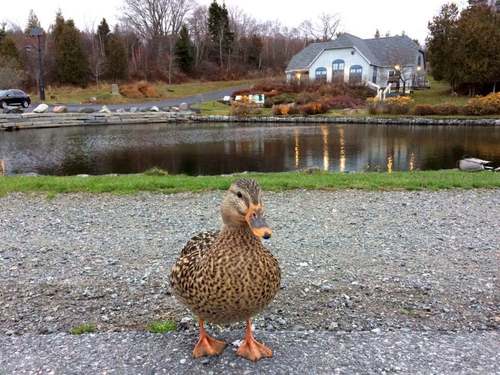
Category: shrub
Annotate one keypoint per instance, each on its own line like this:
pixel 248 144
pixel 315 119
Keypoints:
pixel 130 91
pixel 314 108
pixel 147 89
pixel 424 110
pixel 283 99
pixel 486 105
pixel 375 106
pixel 307 97
pixel 141 89
pixel 343 101
pixel 399 105
pixel 244 109
pixel 285 109
pixel 447 109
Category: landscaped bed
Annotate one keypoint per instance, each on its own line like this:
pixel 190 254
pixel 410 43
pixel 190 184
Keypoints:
pixel 322 98
pixel 157 182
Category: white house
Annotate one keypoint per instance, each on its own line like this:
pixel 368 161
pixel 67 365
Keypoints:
pixel 396 59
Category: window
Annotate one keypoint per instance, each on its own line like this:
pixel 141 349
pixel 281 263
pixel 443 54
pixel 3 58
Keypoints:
pixel 375 71
pixel 356 74
pixel 338 65
pixel 338 71
pixel 321 74
pixel 419 62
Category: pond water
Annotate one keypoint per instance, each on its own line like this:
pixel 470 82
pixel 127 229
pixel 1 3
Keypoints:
pixel 203 149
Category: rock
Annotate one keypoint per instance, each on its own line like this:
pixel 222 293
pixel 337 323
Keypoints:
pixel 82 175
pixel 312 170
pixel 14 110
pixel 333 326
pixel 105 109
pixel 183 106
pixel 120 110
pixel 41 108
pixel 115 90
pixel 86 110
pixel 174 109
pixel 154 109
pixel 133 109
pixel 377 331
pixel 92 99
pixel 60 109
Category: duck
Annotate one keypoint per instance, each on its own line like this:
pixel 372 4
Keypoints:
pixel 229 276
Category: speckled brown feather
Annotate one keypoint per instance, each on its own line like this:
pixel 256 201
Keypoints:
pixel 225 276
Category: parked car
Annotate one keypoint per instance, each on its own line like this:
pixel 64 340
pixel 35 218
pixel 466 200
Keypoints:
pixel 14 97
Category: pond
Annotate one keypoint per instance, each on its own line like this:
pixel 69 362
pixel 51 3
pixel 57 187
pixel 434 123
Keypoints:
pixel 207 149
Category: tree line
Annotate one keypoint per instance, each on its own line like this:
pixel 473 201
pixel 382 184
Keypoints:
pixel 169 40
pixel 464 47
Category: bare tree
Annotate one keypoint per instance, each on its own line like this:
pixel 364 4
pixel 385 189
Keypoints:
pixel 155 20
pixel 323 29
pixel 198 24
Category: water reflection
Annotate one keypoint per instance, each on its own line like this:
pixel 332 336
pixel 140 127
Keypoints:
pixel 215 149
pixel 342 155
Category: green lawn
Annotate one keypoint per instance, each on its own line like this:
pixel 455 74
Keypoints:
pixel 439 93
pixel 126 184
pixel 76 95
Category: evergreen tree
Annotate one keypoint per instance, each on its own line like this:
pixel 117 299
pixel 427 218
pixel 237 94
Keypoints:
pixel 184 51
pixel 103 32
pixel 8 49
pixel 116 58
pixel 254 51
pixel 377 33
pixel 71 64
pixel 32 23
pixel 441 44
pixel 219 29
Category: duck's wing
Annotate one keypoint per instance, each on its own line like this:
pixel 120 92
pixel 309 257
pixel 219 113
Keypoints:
pixel 200 243
pixel 182 276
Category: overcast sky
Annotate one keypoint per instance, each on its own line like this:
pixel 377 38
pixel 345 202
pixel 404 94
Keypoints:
pixel 359 17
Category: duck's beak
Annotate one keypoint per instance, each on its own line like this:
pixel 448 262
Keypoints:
pixel 257 223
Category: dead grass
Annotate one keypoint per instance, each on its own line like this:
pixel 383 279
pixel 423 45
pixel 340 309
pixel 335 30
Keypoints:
pixel 142 91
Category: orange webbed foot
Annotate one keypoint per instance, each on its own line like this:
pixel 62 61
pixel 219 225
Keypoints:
pixel 207 346
pixel 251 349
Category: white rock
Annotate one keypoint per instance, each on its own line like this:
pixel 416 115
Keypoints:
pixel 60 109
pixel 41 108
pixel 184 107
pixel 154 109
pixel 105 109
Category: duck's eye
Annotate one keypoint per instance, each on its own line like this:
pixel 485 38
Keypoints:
pixel 239 194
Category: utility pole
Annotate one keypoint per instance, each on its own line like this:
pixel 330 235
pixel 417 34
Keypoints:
pixel 38 33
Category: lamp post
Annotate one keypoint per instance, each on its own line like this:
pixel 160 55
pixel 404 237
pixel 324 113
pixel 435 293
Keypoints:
pixel 399 69
pixel 38 33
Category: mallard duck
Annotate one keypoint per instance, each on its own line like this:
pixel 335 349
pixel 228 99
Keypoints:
pixel 229 276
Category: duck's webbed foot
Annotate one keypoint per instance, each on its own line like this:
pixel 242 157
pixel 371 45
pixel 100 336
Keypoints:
pixel 251 349
pixel 207 346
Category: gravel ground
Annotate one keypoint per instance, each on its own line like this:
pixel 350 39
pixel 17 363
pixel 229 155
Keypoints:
pixel 294 353
pixel 410 266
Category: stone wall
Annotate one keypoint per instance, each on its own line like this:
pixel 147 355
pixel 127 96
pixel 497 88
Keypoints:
pixel 51 120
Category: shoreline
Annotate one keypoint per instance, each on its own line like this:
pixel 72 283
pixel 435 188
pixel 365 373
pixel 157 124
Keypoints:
pixel 11 122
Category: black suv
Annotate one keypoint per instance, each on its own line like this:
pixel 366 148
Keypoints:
pixel 14 97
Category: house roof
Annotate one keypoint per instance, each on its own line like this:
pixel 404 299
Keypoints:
pixel 379 51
